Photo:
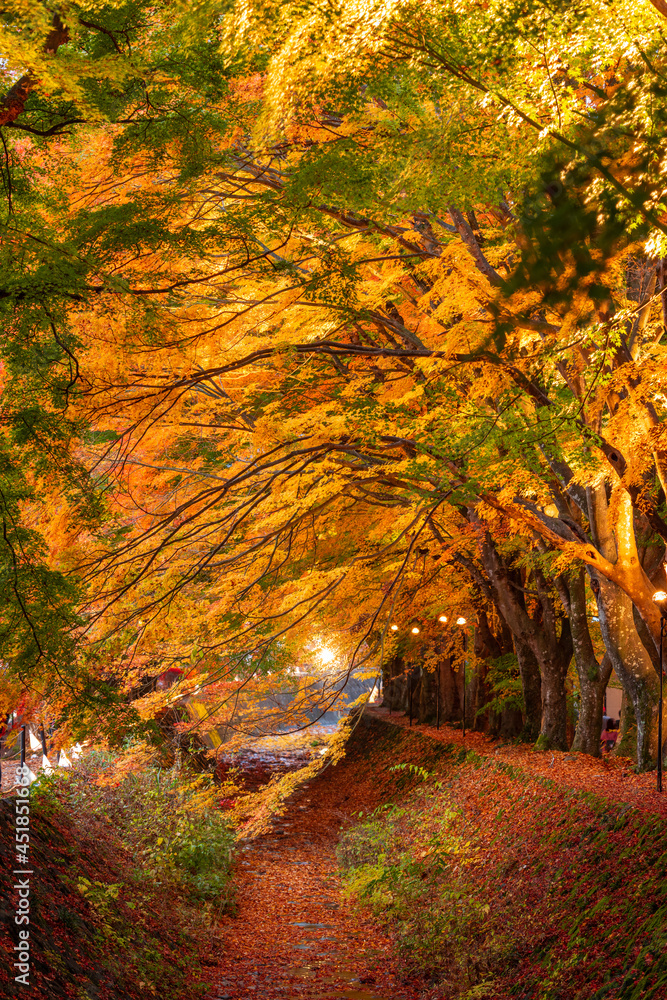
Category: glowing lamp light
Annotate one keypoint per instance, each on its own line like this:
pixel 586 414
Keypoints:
pixel 394 628
pixel 415 630
pixel 460 621
pixel 660 596
pixel 442 618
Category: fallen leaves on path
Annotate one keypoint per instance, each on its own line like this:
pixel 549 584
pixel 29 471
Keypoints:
pixel 293 937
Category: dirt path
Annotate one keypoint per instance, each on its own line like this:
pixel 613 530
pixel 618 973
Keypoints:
pixel 293 936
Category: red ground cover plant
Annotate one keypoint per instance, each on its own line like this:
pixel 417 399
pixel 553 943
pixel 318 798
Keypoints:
pixel 569 886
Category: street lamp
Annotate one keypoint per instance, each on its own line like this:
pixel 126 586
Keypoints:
pixel 660 598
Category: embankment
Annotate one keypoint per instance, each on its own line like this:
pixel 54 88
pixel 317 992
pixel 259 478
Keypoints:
pixel 497 881
pixel 108 919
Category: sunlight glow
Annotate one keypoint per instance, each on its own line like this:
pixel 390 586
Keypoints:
pixel 460 621
pixel 442 618
pixel 394 628
pixel 327 655
pixel 415 631
pixel 660 595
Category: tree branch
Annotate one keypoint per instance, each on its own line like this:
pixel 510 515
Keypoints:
pixel 54 130
pixel 470 242
pixel 13 103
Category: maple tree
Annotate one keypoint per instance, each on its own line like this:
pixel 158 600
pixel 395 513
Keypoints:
pixel 362 314
pixel 77 81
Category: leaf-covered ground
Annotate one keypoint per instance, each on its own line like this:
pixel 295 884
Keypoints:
pixel 291 936
pixel 609 776
pixel 569 853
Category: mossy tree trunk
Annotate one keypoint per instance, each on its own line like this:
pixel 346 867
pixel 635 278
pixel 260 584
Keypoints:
pixel 593 676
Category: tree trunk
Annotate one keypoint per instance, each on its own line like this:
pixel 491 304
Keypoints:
pixel 551 652
pixel 428 696
pixel 553 665
pixel 479 688
pixel 593 677
pixel 490 646
pixel 626 745
pixel 450 696
pixel 553 728
pixel 588 733
pixel 395 685
pixel 414 686
pixel 632 663
pixel 531 684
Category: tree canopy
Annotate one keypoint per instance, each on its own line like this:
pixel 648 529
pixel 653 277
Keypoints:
pixel 322 319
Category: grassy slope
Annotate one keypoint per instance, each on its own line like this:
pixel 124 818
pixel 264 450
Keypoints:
pixel 576 885
pixel 101 928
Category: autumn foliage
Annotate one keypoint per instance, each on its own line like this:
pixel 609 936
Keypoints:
pixel 319 321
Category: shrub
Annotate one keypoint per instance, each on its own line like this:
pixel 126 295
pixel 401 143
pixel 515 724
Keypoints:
pixel 169 821
pixel 408 865
pixel 120 869
pixel 505 688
